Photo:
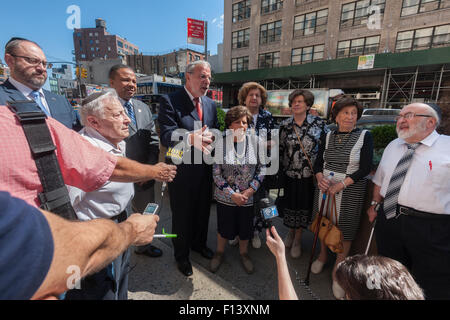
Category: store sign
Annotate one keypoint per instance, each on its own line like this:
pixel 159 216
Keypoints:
pixel 366 62
pixel 196 32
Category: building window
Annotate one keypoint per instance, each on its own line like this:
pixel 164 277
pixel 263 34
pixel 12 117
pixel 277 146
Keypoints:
pixel 270 32
pixel 239 64
pixel 357 47
pixel 90 34
pixel 423 38
pixel 357 13
pixel 310 23
pixel 269 60
pixel 240 39
pixel 410 7
pixel 120 44
pixel 241 10
pixel 307 54
pixel 83 56
pixel 271 5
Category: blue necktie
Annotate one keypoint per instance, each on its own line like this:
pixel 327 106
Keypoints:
pixel 130 111
pixel 36 96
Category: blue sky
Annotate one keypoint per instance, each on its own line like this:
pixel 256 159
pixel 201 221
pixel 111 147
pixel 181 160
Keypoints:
pixel 155 26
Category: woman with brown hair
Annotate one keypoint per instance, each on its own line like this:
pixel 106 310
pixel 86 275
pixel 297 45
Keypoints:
pixel 347 152
pixel 299 144
pixel 254 97
pixel 236 179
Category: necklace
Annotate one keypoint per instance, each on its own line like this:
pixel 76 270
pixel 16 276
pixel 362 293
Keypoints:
pixel 240 158
pixel 340 138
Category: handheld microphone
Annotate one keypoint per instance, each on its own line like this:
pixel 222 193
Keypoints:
pixel 268 211
pixel 173 156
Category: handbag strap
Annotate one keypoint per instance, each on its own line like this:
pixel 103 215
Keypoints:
pixel 334 210
pixel 303 149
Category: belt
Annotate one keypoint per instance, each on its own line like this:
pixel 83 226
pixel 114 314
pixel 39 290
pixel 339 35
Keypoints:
pixel 402 210
pixel 121 217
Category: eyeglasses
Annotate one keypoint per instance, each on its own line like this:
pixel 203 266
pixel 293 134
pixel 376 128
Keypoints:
pixel 33 61
pixel 410 115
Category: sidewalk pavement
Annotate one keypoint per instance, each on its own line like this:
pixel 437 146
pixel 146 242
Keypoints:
pixel 159 278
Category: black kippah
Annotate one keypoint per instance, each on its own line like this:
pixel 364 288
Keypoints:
pixel 436 108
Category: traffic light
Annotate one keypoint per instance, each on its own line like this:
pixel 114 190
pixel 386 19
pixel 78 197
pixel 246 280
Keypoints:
pixel 77 72
pixel 2 72
pixel 84 73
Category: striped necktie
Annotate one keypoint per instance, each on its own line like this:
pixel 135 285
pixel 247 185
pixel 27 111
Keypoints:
pixel 36 96
pixel 393 190
pixel 129 107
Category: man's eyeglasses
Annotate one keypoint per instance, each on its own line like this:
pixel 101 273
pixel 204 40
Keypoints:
pixel 410 115
pixel 33 61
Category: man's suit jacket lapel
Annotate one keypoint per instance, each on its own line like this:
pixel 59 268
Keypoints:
pixel 189 105
pixel 12 92
pixel 52 102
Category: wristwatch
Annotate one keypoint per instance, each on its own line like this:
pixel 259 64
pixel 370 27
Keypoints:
pixel 376 204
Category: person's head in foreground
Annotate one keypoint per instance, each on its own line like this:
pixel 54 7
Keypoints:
pixel 376 278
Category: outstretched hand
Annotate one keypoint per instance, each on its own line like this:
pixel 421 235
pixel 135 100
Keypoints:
pixel 275 243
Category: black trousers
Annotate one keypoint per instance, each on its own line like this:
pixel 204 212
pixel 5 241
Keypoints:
pixel 190 203
pixel 423 246
pixel 110 283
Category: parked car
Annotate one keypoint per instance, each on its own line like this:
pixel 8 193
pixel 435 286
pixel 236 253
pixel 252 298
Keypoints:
pixel 381 112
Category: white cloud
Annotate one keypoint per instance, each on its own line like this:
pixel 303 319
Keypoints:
pixel 218 22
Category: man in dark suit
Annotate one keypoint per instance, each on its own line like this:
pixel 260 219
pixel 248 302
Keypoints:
pixel 142 145
pixel 191 192
pixel 28 74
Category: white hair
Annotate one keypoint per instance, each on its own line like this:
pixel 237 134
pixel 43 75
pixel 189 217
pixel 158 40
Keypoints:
pixel 96 106
pixel 431 111
pixel 191 66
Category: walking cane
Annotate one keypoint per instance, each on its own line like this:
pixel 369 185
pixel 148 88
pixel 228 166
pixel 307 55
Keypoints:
pixel 316 235
pixel 370 238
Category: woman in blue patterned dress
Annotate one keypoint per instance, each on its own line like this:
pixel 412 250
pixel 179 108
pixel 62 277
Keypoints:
pixel 236 180
pixel 294 164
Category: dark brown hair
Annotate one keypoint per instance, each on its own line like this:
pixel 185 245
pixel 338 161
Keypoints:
pixel 376 278
pixel 245 89
pixel 345 101
pixel 236 113
pixel 307 95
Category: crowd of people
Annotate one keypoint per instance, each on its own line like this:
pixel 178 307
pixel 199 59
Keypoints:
pixel 111 164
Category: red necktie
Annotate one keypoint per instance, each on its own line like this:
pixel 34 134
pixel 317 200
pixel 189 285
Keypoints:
pixel 199 108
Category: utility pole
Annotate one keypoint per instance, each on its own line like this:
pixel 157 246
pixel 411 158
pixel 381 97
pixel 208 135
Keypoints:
pixel 206 40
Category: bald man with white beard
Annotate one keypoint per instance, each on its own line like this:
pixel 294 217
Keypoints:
pixel 411 199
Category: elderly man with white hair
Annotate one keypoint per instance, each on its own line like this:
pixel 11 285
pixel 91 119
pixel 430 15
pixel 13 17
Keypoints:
pixel 411 199
pixel 106 126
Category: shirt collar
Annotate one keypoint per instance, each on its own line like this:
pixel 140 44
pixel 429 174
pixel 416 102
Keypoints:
pixel 428 141
pixel 102 142
pixel 122 101
pixel 23 88
pixel 191 96
pixel 431 139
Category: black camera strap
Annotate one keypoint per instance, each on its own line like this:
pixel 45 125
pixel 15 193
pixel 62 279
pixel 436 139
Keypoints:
pixel 55 197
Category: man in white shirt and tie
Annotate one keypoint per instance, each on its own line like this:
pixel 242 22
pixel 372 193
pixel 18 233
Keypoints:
pixel 413 180
pixel 28 74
